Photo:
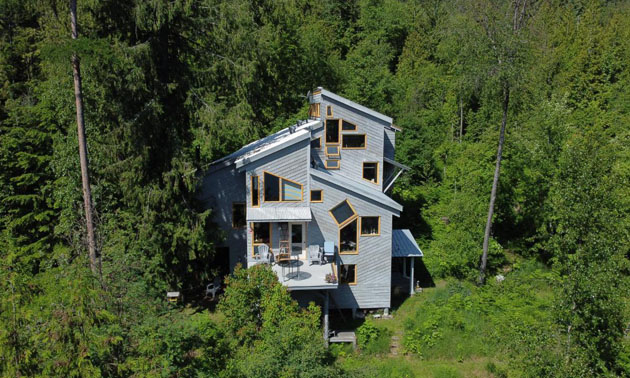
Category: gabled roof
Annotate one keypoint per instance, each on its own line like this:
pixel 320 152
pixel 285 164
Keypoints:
pixel 343 182
pixel 404 245
pixel 354 105
pixel 267 145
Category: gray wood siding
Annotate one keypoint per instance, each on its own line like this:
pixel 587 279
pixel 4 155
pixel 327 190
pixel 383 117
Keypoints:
pixel 373 288
pixel 291 163
pixel 218 191
pixel 351 161
pixel 390 143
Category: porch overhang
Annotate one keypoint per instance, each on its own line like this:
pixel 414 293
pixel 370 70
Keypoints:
pixel 404 245
pixel 279 214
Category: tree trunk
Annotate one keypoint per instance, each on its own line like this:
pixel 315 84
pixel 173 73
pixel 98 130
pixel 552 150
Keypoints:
pixel 495 182
pixel 461 120
pixel 95 263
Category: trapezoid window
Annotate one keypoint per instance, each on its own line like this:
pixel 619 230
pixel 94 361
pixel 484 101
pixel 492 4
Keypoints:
pixel 349 238
pixel 343 212
pixel 353 141
pixel 316 143
pixel 279 189
pixel 332 131
pixel 348 126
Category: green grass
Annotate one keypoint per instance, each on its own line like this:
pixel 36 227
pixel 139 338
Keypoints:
pixel 459 330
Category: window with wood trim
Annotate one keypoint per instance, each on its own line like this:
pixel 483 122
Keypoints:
pixel 313 110
pixel 332 164
pixel 348 126
pixel 332 151
pixel 353 141
pixel 239 218
pixel 370 226
pixel 332 131
pixel 343 212
pixel 316 143
pixel 291 191
pixel 370 171
pixel 348 274
pixel 255 191
pixel 261 234
pixel 349 237
pixel 317 195
pixel 280 189
pixel 329 111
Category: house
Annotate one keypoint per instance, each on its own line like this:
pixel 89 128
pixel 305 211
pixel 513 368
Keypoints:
pixel 319 186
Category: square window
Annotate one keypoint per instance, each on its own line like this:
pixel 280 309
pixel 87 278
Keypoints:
pixel 332 151
pixel 370 172
pixel 343 212
pixel 370 226
pixel 317 195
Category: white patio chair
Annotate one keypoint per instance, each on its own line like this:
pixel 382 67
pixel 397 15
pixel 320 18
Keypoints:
pixel 213 287
pixel 314 255
pixel 263 254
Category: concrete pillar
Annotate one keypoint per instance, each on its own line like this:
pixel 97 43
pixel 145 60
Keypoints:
pixel 411 288
pixel 326 317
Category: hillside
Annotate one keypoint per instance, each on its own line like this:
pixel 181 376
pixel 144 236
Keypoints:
pixel 168 86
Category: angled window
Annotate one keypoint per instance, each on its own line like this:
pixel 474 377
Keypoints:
pixel 349 237
pixel 348 274
pixel 332 164
pixel 291 191
pixel 255 191
pixel 238 215
pixel 272 187
pixel 353 141
pixel 347 126
pixel 370 226
pixel 317 195
pixel 316 143
pixel 332 131
pixel 343 212
pixel 370 171
pixel 279 189
pixel 329 111
pixel 332 151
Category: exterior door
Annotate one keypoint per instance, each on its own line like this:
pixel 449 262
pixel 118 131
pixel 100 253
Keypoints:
pixel 298 241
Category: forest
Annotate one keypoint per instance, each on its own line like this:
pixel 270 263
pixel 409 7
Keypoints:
pixel 170 86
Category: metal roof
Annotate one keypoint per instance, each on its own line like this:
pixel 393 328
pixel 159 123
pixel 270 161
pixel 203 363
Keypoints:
pixel 395 163
pixel 356 106
pixel 344 182
pixel 267 145
pixel 279 214
pixel 404 245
